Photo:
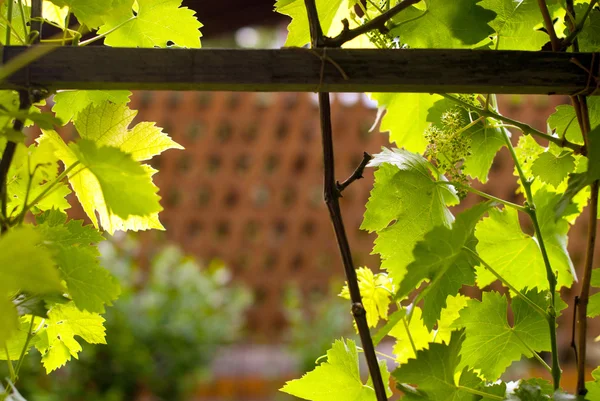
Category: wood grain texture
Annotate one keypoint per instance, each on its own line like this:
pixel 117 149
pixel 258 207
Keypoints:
pixel 299 70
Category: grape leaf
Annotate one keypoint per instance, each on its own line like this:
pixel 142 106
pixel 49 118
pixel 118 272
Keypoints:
pixel 515 24
pixel 338 378
pixel 593 387
pixel 298 29
pixel 445 24
pixel 406 118
pixel 9 320
pixel 485 141
pixel 564 122
pixel 156 24
pixel 507 249
pixel 90 286
pixel 594 305
pixel 416 337
pixel 578 181
pixel 375 290
pixel 109 182
pixel 16 342
pixel 588 38
pixel 56 341
pixel 68 104
pixel 32 172
pixel 434 372
pixel 441 258
pixel 18 35
pixel 107 124
pixel 445 327
pixel 90 12
pixel 24 266
pixel 493 350
pixel 405 203
pixel 553 169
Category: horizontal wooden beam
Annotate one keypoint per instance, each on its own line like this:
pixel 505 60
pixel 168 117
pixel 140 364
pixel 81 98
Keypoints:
pixel 304 70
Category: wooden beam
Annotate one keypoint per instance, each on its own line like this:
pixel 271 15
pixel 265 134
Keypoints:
pixel 299 70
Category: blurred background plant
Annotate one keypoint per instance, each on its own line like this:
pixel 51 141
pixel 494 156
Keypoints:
pixel 162 333
pixel 314 321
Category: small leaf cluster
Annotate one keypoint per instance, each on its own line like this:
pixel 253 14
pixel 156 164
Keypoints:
pixel 54 290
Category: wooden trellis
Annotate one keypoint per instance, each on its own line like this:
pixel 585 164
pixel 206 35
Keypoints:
pixel 317 69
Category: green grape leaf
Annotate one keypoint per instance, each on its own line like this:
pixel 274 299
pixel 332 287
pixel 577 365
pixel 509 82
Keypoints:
pixel 588 38
pixel 18 35
pixel 593 387
pixel 125 186
pixel 445 327
pixel 24 266
pixel 16 342
pixel 298 30
pixel 444 25
pixel 68 104
pixel 442 259
pixel 109 182
pixel 578 181
pixel 534 390
pixel 485 141
pixel 107 125
pixel 407 341
pixel 594 305
pixel 156 23
pixel 53 13
pixel 504 246
pixel 434 373
pixel 515 24
pixel 89 12
pixel 57 342
pixel 32 173
pixel 553 169
pixel 494 349
pixel 404 205
pixel 564 122
pixel 90 285
pixel 596 277
pixel 407 117
pixel 9 321
pixel 376 291
pixel 339 377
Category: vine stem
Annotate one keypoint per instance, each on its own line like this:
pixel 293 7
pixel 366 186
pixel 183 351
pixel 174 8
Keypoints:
pixel 9 12
pixel 551 313
pixel 526 129
pixel 331 197
pixel 585 290
pixel 549 25
pixel 483 194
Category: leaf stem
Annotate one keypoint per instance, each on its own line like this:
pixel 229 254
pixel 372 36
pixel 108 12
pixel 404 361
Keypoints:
pixel 48 189
pixel 25 347
pixel 535 354
pixel 483 194
pixel 9 12
pixel 23 18
pixel 507 284
pixel 96 38
pixel 11 368
pixel 480 393
pixel 412 342
pixel 550 276
pixel 526 129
